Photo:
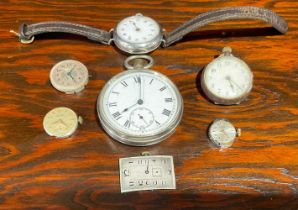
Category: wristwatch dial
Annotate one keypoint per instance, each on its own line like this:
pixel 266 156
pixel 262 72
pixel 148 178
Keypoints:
pixel 222 133
pixel 69 76
pixel 138 34
pixel 60 122
pixel 140 107
pixel 227 80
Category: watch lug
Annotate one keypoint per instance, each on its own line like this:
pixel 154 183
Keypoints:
pixel 163 40
pixel 163 43
pixel 111 32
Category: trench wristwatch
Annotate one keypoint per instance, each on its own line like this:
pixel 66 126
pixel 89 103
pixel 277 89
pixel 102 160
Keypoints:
pixel 140 34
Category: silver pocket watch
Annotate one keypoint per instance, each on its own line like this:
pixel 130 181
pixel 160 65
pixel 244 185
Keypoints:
pixel 139 106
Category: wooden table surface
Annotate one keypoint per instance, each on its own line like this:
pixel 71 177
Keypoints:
pixel 260 170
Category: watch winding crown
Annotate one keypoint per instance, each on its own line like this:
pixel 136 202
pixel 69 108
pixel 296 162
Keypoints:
pixel 227 50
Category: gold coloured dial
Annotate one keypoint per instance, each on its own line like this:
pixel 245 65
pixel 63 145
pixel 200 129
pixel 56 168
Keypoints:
pixel 60 122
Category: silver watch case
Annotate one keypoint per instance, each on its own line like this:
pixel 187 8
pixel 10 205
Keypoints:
pixel 135 140
pixel 139 48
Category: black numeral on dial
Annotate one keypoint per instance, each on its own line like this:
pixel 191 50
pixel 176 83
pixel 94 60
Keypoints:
pixel 168 99
pixel 112 104
pixel 166 112
pixel 127 124
pixel 137 79
pixel 163 88
pixel 124 83
pixel 117 115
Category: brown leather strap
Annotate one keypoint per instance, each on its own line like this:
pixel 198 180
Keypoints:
pixel 226 14
pixel 29 31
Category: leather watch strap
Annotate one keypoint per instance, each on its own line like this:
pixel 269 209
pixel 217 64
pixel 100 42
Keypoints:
pixel 245 12
pixel 27 32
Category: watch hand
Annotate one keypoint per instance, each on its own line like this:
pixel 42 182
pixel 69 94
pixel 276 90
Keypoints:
pixel 224 133
pixel 140 88
pixel 70 75
pixel 135 25
pixel 147 169
pixel 232 81
pixel 231 85
pixel 60 122
pixel 142 118
pixel 128 108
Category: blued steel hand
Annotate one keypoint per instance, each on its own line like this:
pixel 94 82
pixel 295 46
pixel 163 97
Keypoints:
pixel 147 169
pixel 135 25
pixel 142 118
pixel 128 108
pixel 232 81
pixel 70 75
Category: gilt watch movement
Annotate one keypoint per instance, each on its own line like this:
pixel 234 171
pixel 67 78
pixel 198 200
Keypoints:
pixel 61 122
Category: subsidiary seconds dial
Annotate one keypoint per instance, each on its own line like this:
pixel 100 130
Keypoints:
pixel 140 107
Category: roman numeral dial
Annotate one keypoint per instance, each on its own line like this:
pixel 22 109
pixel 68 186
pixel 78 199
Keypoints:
pixel 139 104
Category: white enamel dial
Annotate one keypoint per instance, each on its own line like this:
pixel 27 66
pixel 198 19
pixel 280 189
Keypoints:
pixel 140 107
pixel 60 122
pixel 222 133
pixel 69 76
pixel 227 80
pixel 137 34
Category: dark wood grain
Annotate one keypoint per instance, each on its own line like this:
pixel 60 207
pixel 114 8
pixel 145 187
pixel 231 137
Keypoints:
pixel 260 171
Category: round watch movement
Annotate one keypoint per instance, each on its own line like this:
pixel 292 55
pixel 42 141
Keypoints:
pixel 227 80
pixel 61 122
pixel 69 76
pixel 223 133
pixel 137 34
pixel 139 107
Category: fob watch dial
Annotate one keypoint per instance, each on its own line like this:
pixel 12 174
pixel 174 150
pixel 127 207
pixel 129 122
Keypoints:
pixel 138 34
pixel 61 122
pixel 139 107
pixel 222 133
pixel 69 76
pixel 227 80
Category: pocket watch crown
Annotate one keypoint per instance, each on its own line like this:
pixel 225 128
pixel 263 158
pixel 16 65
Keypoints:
pixel 227 50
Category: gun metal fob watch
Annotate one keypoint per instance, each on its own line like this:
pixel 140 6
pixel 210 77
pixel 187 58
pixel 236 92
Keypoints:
pixel 227 79
pixel 139 106
pixel 140 34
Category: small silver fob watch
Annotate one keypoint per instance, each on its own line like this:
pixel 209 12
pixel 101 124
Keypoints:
pixel 223 133
pixel 139 34
pixel 227 79
pixel 139 106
